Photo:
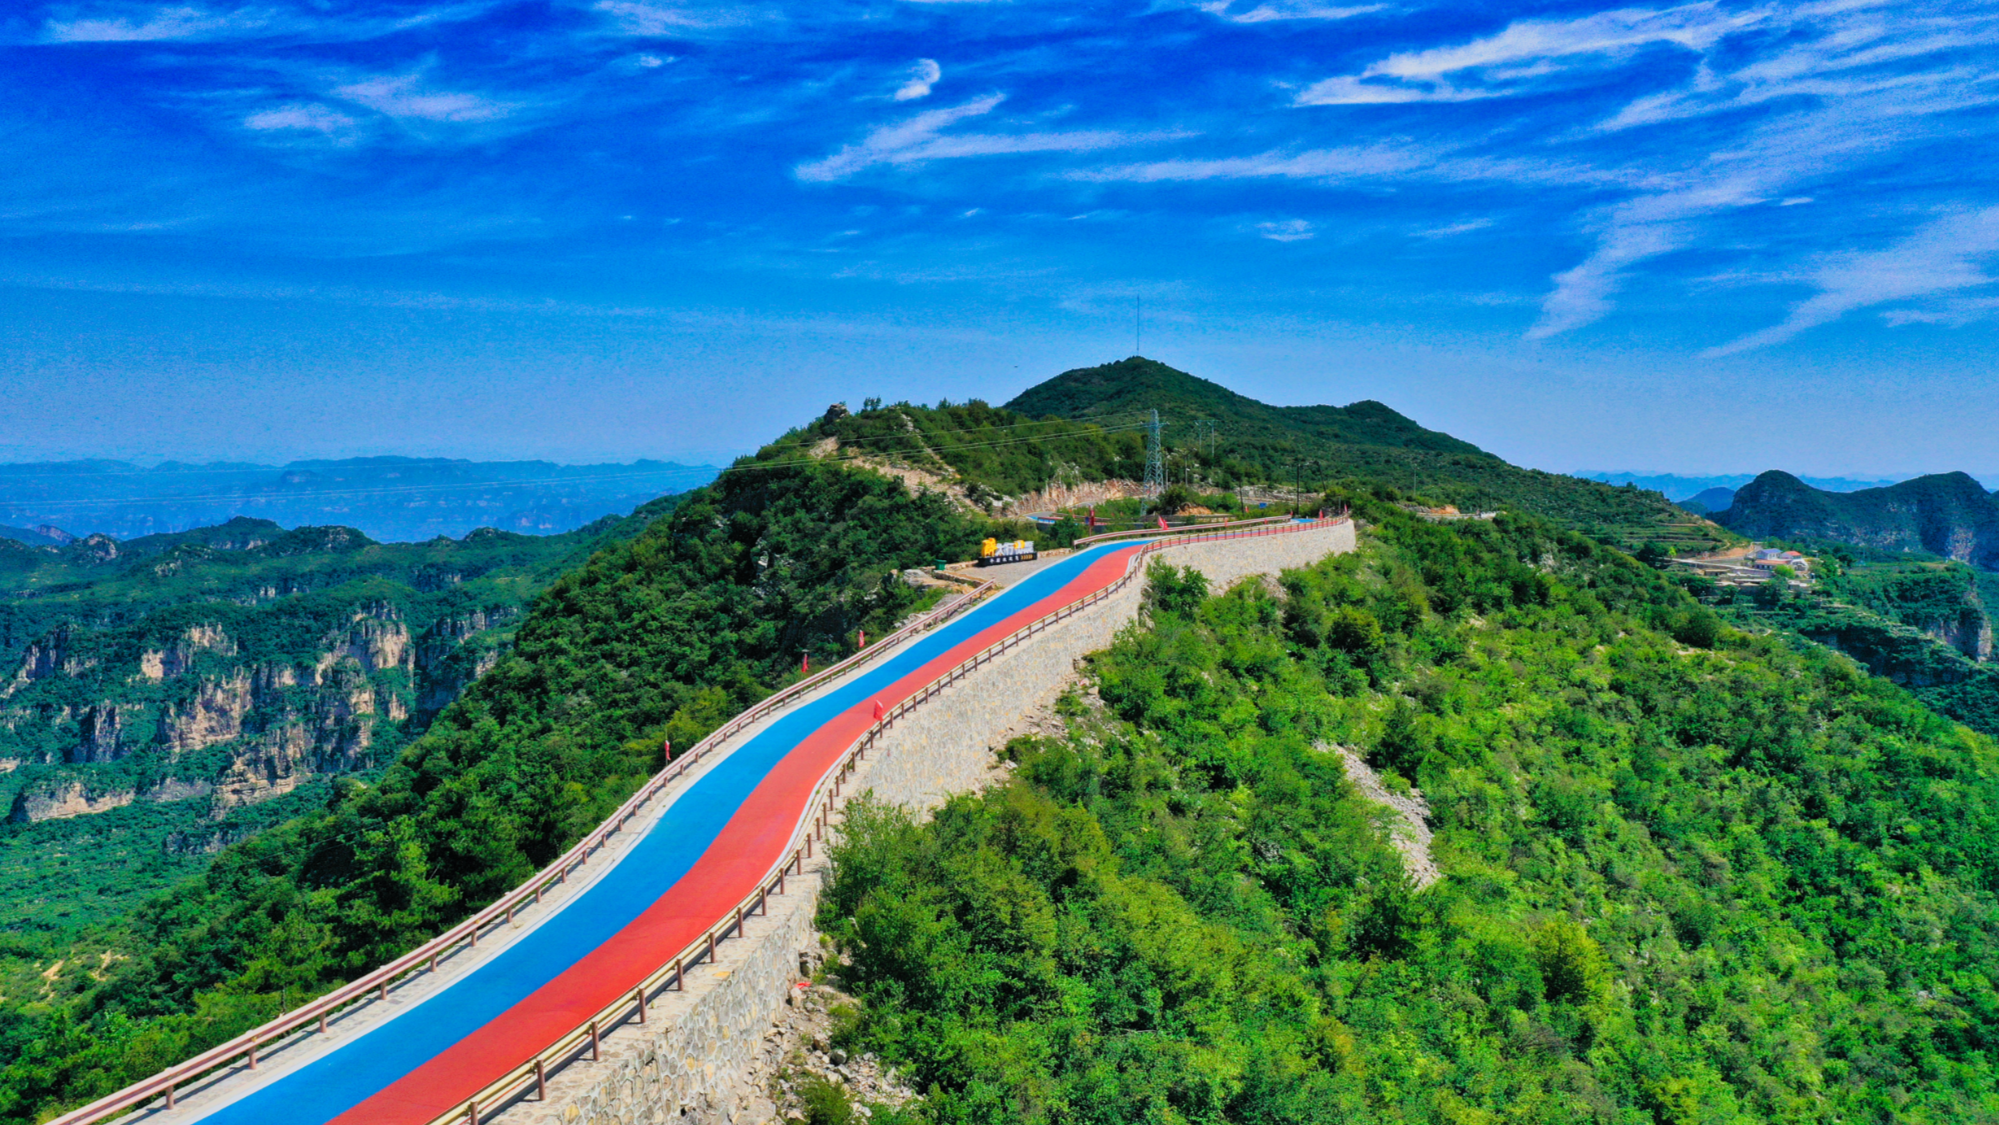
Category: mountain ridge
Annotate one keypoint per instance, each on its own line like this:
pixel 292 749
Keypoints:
pixel 1364 446
pixel 1945 514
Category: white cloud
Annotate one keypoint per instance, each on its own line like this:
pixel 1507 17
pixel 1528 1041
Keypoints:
pixel 1386 160
pixel 1943 257
pixel 1455 229
pixel 1272 10
pixel 1289 230
pixel 406 97
pixel 305 118
pixel 656 18
pixel 114 22
pixel 1527 49
pixel 151 24
pixel 922 138
pixel 922 77
pixel 1316 164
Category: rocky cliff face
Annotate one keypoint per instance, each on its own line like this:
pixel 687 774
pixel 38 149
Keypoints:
pixel 231 731
pixel 64 799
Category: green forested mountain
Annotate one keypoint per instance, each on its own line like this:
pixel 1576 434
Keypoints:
pixel 1127 387
pixel 1087 425
pixel 1365 443
pixel 1689 874
pixel 661 635
pixel 1946 514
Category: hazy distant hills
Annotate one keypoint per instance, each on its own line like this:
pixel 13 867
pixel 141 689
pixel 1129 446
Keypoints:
pixel 1946 514
pixel 391 499
pixel 1708 501
pixel 1678 488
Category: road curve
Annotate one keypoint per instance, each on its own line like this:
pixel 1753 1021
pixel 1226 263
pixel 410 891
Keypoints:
pixel 708 850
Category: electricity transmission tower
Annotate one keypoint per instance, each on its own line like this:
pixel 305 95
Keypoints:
pixel 1155 459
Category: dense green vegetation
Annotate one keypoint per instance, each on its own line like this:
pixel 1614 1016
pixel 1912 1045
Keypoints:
pixel 1691 874
pixel 1088 424
pixel 994 452
pixel 1364 446
pixel 1918 624
pixel 662 636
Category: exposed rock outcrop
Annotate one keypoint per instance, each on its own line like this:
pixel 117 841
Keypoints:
pixel 63 799
pixel 177 658
pixel 110 731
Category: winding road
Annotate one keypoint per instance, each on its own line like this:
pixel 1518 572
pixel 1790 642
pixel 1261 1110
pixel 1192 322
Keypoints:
pixel 707 850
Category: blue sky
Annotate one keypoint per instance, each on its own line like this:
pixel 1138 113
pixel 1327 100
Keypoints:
pixel 1695 237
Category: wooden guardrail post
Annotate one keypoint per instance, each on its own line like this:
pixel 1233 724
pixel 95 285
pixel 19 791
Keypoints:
pixel 540 1080
pixel 595 1043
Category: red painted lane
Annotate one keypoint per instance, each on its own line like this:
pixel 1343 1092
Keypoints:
pixel 748 847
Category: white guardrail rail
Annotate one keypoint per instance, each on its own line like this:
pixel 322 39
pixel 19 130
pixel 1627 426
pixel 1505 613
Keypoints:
pixel 532 1072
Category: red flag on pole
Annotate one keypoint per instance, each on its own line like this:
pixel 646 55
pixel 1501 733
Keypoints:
pixel 1162 522
pixel 1093 519
pixel 805 665
pixel 668 748
pixel 878 708
pixel 864 638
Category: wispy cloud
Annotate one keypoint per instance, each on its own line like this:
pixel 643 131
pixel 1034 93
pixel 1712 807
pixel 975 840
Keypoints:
pixel 409 97
pixel 922 138
pixel 654 18
pixel 1270 11
pixel 301 118
pixel 1356 161
pixel 1287 230
pixel 1522 56
pixel 136 24
pixel 1943 257
pixel 127 22
pixel 922 77
pixel 1455 229
pixel 1387 161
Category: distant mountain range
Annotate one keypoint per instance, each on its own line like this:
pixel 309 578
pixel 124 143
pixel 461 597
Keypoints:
pixel 391 499
pixel 1679 488
pixel 1945 514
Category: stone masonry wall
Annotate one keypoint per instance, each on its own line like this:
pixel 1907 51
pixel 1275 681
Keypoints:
pixel 691 1061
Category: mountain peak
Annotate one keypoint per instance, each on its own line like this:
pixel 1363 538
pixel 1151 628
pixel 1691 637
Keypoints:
pixel 1122 392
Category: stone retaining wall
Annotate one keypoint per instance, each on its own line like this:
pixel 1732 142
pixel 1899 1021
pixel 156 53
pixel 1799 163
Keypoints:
pixel 690 1062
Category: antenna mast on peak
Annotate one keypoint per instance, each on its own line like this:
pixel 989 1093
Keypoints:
pixel 1155 459
pixel 1137 327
